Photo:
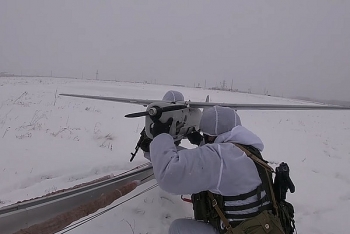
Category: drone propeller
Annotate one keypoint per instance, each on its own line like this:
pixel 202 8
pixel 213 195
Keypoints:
pixel 156 111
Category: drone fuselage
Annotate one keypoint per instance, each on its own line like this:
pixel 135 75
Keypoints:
pixel 184 120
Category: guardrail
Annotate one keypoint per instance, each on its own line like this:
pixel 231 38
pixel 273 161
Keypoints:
pixel 25 214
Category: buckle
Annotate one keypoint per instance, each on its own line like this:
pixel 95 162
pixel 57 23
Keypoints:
pixel 215 203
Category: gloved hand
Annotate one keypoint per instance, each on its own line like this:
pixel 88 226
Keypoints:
pixel 195 138
pixel 159 127
pixel 145 144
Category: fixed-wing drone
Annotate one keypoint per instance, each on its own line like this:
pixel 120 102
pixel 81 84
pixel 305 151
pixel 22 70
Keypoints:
pixel 186 114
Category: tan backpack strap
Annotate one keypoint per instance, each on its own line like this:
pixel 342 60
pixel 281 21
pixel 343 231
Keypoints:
pixel 255 158
pixel 267 168
pixel 222 216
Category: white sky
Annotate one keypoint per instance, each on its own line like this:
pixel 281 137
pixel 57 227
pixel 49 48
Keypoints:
pixel 291 48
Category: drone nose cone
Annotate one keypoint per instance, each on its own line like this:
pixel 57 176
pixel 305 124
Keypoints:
pixel 152 111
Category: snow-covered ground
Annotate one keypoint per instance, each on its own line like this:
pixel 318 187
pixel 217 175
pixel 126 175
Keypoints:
pixel 49 142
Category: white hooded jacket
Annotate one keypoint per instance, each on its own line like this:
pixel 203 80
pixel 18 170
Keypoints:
pixel 220 167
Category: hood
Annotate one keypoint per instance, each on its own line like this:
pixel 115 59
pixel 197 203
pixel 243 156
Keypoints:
pixel 217 120
pixel 173 96
pixel 241 135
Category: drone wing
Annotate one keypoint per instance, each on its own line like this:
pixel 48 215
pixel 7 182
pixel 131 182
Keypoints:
pixel 114 99
pixel 146 102
pixel 266 106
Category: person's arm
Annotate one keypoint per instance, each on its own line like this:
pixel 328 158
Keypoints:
pixel 186 171
pixel 147 155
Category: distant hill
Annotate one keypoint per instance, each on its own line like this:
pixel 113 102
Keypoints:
pixel 331 102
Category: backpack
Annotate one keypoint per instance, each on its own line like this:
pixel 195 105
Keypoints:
pixel 275 190
pixel 277 187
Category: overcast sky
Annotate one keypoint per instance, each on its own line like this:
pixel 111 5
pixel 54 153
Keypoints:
pixel 294 48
